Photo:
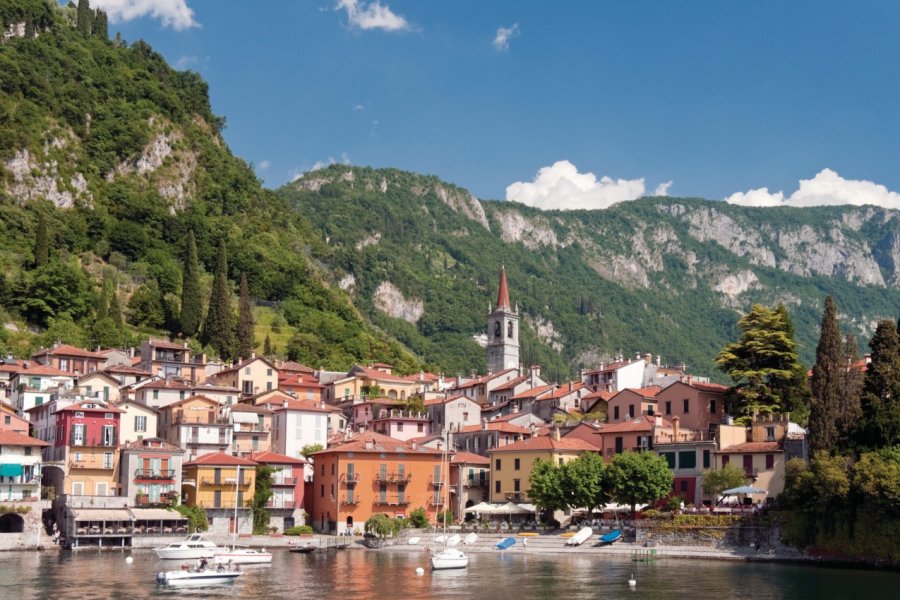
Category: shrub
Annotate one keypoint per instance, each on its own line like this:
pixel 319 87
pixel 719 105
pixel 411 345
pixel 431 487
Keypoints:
pixel 298 530
pixel 418 518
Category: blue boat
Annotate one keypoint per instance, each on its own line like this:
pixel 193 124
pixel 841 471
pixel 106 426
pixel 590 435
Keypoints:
pixel 505 543
pixel 612 536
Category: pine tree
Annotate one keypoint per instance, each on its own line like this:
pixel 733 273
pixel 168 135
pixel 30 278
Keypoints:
pixel 267 347
pixel 245 343
pixel 218 330
pixel 191 302
pixel 827 376
pixel 84 17
pixel 851 388
pixel 879 425
pixel 41 243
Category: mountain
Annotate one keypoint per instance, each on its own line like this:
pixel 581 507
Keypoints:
pixel 119 155
pixel 668 276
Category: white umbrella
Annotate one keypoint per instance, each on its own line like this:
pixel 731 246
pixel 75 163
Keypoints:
pixel 744 489
pixel 528 507
pixel 481 507
pixel 511 508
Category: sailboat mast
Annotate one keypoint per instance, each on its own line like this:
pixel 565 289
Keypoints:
pixel 237 483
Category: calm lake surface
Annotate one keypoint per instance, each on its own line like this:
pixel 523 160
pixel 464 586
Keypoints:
pixel 385 575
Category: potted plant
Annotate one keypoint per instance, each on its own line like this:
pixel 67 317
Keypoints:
pixel 141 498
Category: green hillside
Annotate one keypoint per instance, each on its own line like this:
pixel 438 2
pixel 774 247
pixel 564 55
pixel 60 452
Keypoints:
pixel 121 156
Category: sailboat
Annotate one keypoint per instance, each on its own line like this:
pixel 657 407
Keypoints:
pixel 449 557
pixel 240 556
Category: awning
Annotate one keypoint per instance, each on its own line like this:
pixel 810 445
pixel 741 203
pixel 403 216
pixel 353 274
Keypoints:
pixel 10 470
pixel 245 418
pixel 156 514
pixel 102 514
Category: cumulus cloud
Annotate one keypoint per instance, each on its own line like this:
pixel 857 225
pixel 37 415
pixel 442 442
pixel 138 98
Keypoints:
pixel 172 13
pixel 663 188
pixel 503 35
pixel 561 187
pixel 372 16
pixel 827 188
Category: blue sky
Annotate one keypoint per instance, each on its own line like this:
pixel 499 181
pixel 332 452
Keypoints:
pixel 582 103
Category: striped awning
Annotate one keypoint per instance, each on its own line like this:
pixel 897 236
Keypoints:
pixel 245 418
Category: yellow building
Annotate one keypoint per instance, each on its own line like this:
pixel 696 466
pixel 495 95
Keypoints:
pixel 218 480
pixel 375 381
pixel 511 465
pixel 253 376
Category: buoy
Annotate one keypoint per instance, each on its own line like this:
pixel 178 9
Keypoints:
pixel 128 560
pixel 420 571
pixel 632 582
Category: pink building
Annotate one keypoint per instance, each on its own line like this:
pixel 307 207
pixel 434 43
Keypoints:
pixel 700 406
pixel 87 441
pixel 631 404
pixel 286 505
pixel 70 359
pixel 401 424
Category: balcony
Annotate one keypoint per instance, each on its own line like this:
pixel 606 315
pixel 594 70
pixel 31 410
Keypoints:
pixel 225 482
pixel 352 501
pixel 90 463
pixel 515 496
pixel 252 428
pixel 350 478
pixel 94 443
pixel 475 482
pixel 154 473
pixel 278 503
pixel 393 477
pixel 751 473
pixel 285 481
pixel 393 500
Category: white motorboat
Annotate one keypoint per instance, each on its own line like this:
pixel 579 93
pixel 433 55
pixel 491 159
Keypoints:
pixel 470 539
pixel 198 577
pixel 413 541
pixel 583 535
pixel 449 558
pixel 242 556
pixel 453 540
pixel 194 546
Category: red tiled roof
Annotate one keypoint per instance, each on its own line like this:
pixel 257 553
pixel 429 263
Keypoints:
pixel 483 379
pixel 445 400
pixel 307 405
pixel 81 406
pixel 511 383
pixel 511 416
pixel 67 350
pixel 468 458
pixel 500 426
pixel 44 371
pixel 4 368
pixel 295 367
pixel 422 377
pixel 306 381
pixel 160 445
pixel 533 392
pixel 127 370
pixel 250 408
pixel 503 292
pixel 220 458
pixel 189 399
pixel 176 384
pixel 376 374
pixel 14 438
pixel 752 447
pixel 272 458
pixel 546 442
pixel 380 443
pixel 166 345
pixel 709 387
pixel 565 390
pixel 599 394
pixel 645 423
pixel 246 362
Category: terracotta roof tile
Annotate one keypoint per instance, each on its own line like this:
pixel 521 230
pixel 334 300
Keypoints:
pixel 533 392
pixel 500 426
pixel 546 442
pixel 378 443
pixel 220 458
pixel 468 458
pixel 645 423
pixel 14 438
pixel 273 458
pixel 752 447
pixel 67 350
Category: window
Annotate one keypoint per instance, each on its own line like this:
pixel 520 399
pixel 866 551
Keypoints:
pixel 217 499
pixel 156 394
pixel 322 469
pixel 78 488
pixel 107 463
pixel 725 460
pixel 268 372
pixel 78 435
pixel 616 413
pixel 332 468
pixel 497 487
pixel 399 426
pixel 140 423
pixel 89 390
pixel 560 461
pixel 670 458
pixel 651 409
pixel 322 491
pixel 687 406
pixel 770 434
pixel 217 475
pixel 109 435
pixel 683 486
pixel 712 406
pixel 668 407
pixel 509 329
pixel 78 457
pixel 465 417
pixel 7 420
pixel 631 411
pixel 181 395
pixel 619 444
pixel 79 414
pixel 38 400
pixel 516 464
pixel 27 450
pixel 497 464
pixel 516 485
pixel 687 459
pixel 421 427
pixel 228 399
pixel 107 415
pixel 706 459
pixel 247 371
pixel 382 493
pixel 268 386
pixel 770 461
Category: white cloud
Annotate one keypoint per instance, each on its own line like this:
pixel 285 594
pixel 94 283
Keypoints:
pixel 827 188
pixel 186 60
pixel 562 187
pixel 358 108
pixel 504 34
pixel 297 173
pixel 263 165
pixel 372 16
pixel 172 13
pixel 663 188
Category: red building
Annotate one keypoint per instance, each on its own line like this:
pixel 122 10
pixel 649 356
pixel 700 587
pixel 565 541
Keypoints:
pixel 87 441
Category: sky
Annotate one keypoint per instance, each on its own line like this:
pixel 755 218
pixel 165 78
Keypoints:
pixel 560 105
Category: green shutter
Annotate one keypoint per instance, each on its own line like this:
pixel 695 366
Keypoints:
pixel 670 458
pixel 687 459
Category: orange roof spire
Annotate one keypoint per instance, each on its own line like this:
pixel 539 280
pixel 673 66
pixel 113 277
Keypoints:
pixel 503 294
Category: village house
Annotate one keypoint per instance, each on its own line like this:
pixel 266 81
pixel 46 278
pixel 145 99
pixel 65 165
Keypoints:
pixel 8 369
pixel 160 393
pixel 479 389
pixel 616 376
pixel 34 384
pixel 20 466
pixel 361 383
pixel 298 423
pixel 286 504
pixel 70 359
pixel 401 424
pixel 252 376
pixel 302 387
pixel 137 421
pixel 169 360
pixel 762 456
pixel 126 375
pixel 631 403
pixel 100 385
pixel 481 438
pixel 470 478
pixel 196 425
pixel 369 474
pixel 452 412
pixel 223 485
pixel 251 428
pixel 150 472
pixel 700 406
pixel 10 421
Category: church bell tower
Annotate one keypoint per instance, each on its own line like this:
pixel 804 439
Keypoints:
pixel 502 332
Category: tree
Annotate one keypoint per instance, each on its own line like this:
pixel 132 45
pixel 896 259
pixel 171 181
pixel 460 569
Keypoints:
pixel 310 449
pixel 191 302
pixel 115 310
pixel 218 331
pixel 876 478
pixel 639 478
pixel 245 342
pixel 53 290
pixel 105 334
pixel 879 425
pixel 84 17
pixel 717 481
pixel 545 486
pixel 267 347
pixel 584 481
pixel 761 361
pixel 146 306
pixel 262 493
pixel 382 526
pixel 418 518
pixel 101 26
pixel 827 375
pixel 41 243
pixel 849 409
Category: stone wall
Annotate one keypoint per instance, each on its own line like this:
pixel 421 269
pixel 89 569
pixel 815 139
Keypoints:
pixel 32 535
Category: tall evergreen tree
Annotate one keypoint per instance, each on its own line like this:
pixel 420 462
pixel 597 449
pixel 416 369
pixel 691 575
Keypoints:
pixel 218 330
pixel 84 17
pixel 851 387
pixel 827 378
pixel 101 25
pixel 267 347
pixel 792 390
pixel 115 310
pixel 879 425
pixel 191 302
pixel 245 343
pixel 41 243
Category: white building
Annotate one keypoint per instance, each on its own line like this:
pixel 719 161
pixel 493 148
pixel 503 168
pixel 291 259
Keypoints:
pixel 20 466
pixel 300 423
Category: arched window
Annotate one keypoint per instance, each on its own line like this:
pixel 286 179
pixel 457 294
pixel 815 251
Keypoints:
pixel 509 329
pixel 497 329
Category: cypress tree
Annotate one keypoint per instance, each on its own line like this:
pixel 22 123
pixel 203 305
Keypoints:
pixel 245 321
pixel 84 17
pixel 115 310
pixel 851 387
pixel 101 26
pixel 191 303
pixel 879 425
pixel 41 243
pixel 218 331
pixel 827 376
pixel 267 347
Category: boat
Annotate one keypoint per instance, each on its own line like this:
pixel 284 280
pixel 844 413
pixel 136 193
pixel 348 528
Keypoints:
pixel 449 557
pixel 505 543
pixel 454 540
pixel 413 541
pixel 470 539
pixel 302 548
pixel 583 535
pixel 242 556
pixel 197 577
pixel 194 546
pixel 611 537
pixel 440 539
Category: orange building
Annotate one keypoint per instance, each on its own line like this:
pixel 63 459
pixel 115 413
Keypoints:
pixel 371 474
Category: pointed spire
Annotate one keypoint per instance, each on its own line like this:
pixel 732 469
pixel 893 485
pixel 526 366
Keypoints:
pixel 503 294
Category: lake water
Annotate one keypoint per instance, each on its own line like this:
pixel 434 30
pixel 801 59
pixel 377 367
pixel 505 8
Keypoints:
pixel 386 575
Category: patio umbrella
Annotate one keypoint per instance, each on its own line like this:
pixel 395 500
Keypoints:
pixel 510 508
pixel 744 489
pixel 529 507
pixel 481 507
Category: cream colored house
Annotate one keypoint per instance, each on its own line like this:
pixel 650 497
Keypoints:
pixel 253 376
pixel 98 384
pixel 138 421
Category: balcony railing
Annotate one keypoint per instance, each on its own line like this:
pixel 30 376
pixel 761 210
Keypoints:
pixel 154 473
pixel 393 477
pixel 275 503
pixel 291 481
pixel 475 482
pixel 252 429
pixel 751 473
pixel 224 482
pixel 91 464
pixel 515 496
pixel 393 500
pixel 352 500
pixel 94 443
pixel 350 478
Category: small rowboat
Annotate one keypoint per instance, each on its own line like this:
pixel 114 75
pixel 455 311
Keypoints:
pixel 611 537
pixel 302 548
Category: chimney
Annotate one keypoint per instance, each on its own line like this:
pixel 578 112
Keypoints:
pixel 658 360
pixel 535 370
pixel 370 444
pixel 483 423
pixel 556 434
pixel 648 358
pixel 659 421
pixel 676 426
